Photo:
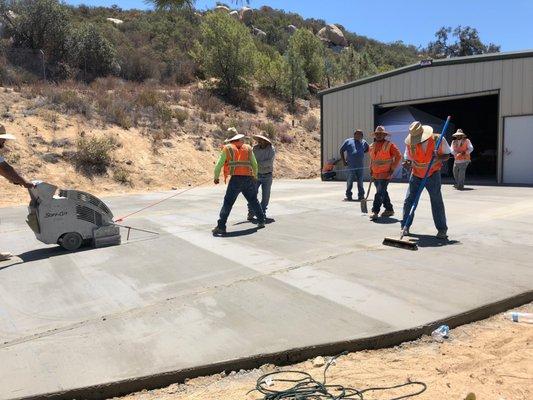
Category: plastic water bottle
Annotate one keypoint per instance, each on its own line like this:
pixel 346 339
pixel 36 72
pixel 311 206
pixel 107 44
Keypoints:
pixel 521 317
pixel 441 333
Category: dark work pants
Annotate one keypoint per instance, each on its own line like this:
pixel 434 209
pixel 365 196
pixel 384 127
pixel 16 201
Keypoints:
pixel 247 186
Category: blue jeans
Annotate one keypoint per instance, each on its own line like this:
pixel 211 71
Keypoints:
pixel 433 185
pixel 355 175
pixel 382 196
pixel 245 185
pixel 264 181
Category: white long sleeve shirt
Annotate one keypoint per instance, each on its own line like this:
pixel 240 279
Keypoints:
pixel 444 147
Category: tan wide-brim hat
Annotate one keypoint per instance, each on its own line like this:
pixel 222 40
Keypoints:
pixel 236 135
pixel 459 133
pixel 418 133
pixel 262 137
pixel 380 129
pixel 4 135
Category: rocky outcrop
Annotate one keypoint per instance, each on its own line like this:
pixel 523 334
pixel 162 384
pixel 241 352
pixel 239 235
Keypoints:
pixel 332 35
pixel 235 15
pixel 222 9
pixel 291 29
pixel 259 32
pixel 116 21
pixel 246 15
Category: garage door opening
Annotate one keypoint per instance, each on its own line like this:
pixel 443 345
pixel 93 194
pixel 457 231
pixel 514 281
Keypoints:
pixel 476 116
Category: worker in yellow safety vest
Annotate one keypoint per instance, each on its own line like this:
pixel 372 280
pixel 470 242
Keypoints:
pixel 420 146
pixel 461 149
pixel 384 158
pixel 238 161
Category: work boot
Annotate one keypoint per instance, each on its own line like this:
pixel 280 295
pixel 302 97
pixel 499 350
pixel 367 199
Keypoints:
pixel 4 256
pixel 260 225
pixel 348 198
pixel 387 213
pixel 217 230
pixel 250 216
pixel 442 234
pixel 374 216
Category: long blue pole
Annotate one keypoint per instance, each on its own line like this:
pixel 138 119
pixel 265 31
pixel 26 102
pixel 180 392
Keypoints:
pixel 411 215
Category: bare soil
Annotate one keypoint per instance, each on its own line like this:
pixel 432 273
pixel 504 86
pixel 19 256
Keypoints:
pixel 493 359
pixel 45 148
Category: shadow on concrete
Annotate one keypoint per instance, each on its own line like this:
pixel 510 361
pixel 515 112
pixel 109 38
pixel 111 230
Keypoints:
pixel 49 252
pixel 466 189
pixel 243 232
pixel 386 220
pixel 432 241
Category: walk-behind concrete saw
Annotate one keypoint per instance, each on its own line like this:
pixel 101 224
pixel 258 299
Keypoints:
pixel 70 218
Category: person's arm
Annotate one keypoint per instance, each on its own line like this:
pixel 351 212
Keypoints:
pixel 397 157
pixel 454 148
pixel 253 160
pixel 444 150
pixel 470 146
pixel 219 165
pixel 272 152
pixel 8 172
pixel 341 151
pixel 365 147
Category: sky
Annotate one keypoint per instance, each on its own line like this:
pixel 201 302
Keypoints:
pixel 507 23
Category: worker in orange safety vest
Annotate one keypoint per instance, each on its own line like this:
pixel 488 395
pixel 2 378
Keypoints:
pixel 384 158
pixel 238 161
pixel 461 149
pixel 420 146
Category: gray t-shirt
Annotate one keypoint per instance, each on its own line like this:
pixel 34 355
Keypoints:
pixel 265 158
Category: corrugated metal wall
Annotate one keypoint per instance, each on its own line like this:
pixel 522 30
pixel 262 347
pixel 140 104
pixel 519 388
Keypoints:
pixel 351 108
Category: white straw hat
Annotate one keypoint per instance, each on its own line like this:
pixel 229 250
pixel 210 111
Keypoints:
pixel 418 133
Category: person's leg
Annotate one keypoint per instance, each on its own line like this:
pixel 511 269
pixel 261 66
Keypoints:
pixel 461 175
pixel 266 184
pixel 412 189
pixel 455 173
pixel 250 211
pixel 433 186
pixel 359 174
pixel 378 197
pixel 350 176
pixel 232 192
pixel 250 193
pixel 385 195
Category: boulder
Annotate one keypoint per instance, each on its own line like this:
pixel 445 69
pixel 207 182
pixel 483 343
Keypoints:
pixel 246 15
pixel 291 29
pixel 333 35
pixel 235 14
pixel 222 9
pixel 116 21
pixel 259 33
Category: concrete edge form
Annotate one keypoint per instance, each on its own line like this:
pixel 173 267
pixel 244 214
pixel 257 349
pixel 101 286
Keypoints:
pixel 124 387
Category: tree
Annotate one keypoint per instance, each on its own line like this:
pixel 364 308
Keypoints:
pixel 310 49
pixel 39 25
pixel 349 61
pixel 467 43
pixel 171 4
pixel 91 52
pixel 226 51
pixel 270 70
pixel 295 82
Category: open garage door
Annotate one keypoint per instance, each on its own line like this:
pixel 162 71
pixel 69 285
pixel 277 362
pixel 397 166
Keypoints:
pixel 477 116
pixel 517 146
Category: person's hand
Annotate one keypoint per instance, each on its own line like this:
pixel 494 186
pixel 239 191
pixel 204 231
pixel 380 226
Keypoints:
pixel 216 180
pixel 406 163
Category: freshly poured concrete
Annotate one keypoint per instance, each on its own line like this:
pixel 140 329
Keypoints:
pixel 318 274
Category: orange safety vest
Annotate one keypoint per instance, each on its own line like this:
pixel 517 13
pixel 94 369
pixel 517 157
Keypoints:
pixel 463 148
pixel 421 158
pixel 381 159
pixel 238 160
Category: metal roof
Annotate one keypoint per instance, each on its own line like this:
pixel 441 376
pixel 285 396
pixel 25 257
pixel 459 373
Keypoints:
pixel 435 63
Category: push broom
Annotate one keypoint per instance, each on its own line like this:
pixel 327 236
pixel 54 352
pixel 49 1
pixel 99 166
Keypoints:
pixel 408 244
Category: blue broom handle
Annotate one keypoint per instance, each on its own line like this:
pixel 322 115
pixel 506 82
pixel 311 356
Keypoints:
pixel 423 183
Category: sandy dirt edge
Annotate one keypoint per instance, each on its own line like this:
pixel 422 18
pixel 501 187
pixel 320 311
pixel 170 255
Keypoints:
pixel 492 358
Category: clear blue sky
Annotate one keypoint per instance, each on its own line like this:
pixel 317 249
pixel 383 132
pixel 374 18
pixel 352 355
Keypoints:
pixel 508 23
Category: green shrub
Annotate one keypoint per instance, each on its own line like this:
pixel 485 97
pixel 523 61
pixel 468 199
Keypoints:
pixel 94 154
pixel 269 129
pixel 71 100
pixel 122 176
pixel 226 51
pixel 274 112
pixel 206 101
pixel 310 123
pixel 181 115
pixel 148 98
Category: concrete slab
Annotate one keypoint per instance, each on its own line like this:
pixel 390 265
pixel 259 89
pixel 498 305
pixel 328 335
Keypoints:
pixel 185 299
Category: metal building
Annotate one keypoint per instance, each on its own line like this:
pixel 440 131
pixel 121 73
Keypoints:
pixel 489 96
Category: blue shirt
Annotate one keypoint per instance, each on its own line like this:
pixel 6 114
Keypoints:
pixel 355 152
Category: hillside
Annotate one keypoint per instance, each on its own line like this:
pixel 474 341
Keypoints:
pixel 152 154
